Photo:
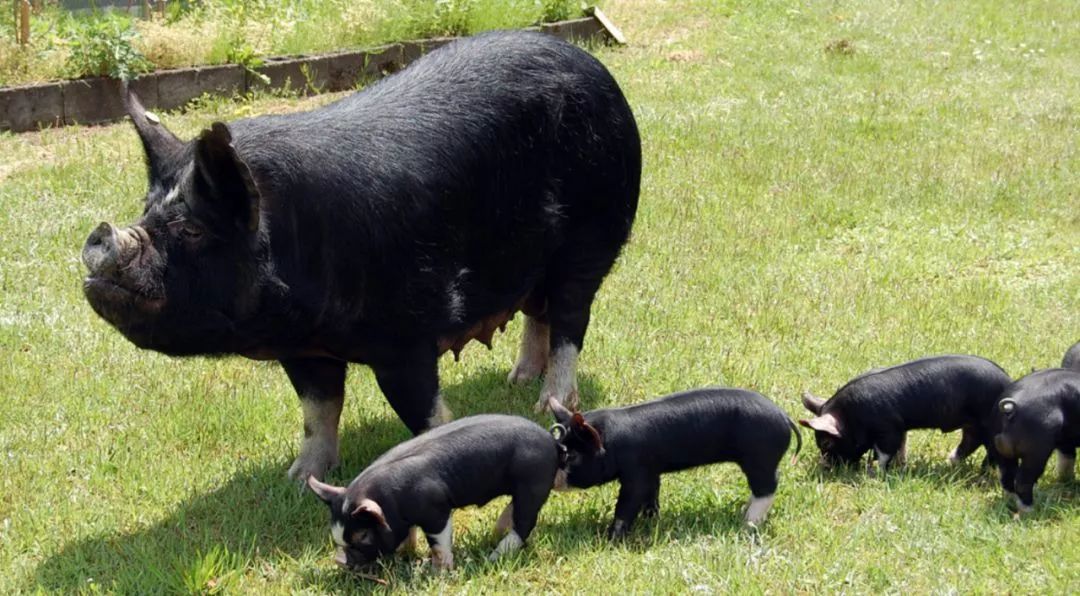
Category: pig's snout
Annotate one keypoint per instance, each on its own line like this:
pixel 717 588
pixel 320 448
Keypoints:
pixel 108 249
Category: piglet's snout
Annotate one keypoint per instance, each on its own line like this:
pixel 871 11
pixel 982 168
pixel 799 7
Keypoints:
pixel 341 558
pixel 109 249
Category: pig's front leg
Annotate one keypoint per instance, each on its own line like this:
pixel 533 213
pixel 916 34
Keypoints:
pixel 320 383
pixel 889 448
pixel 412 388
pixel 1031 468
pixel 441 542
pixel 652 501
pixel 633 493
pixel 1007 470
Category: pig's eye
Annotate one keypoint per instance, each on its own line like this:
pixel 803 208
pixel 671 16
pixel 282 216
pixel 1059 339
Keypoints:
pixel 187 230
pixel 573 457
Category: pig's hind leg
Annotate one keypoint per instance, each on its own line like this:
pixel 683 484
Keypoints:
pixel 571 286
pixel 763 479
pixel 519 517
pixel 652 501
pixel 969 442
pixel 1066 463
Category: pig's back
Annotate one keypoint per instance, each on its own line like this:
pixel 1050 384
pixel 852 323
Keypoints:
pixel 942 392
pixel 701 426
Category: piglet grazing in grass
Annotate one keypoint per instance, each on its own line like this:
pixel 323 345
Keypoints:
pixel 1071 361
pixel 1040 414
pixel 636 444
pixel 876 409
pixel 419 482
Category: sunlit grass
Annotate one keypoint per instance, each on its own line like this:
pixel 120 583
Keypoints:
pixel 810 209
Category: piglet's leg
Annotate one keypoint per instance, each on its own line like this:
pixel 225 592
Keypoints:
pixel 441 543
pixel 320 383
pixel 652 501
pixel 1026 477
pixel 519 517
pixel 763 480
pixel 633 493
pixel 969 442
pixel 889 448
pixel 1066 462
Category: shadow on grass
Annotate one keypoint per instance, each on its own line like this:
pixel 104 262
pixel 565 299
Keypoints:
pixel 258 517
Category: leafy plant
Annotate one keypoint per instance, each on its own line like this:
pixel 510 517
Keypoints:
pixel 103 47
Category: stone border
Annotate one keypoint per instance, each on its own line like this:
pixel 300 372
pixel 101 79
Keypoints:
pixel 97 100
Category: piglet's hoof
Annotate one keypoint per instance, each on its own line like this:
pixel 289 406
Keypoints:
pixel 617 530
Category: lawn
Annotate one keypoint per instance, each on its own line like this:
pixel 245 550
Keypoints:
pixel 829 187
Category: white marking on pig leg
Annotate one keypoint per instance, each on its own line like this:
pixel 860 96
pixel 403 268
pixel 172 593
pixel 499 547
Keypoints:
pixel 533 353
pixel 758 508
pixel 337 532
pixel 506 520
pixel 442 556
pixel 440 414
pixel 1065 466
pixel 954 456
pixel 510 543
pixel 882 459
pixel 319 449
pixel 560 381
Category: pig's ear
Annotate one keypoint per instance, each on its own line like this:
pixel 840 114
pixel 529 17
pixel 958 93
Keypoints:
pixel 371 509
pixel 826 424
pixel 324 491
pixel 224 179
pixel 812 403
pixel 587 432
pixel 562 415
pixel 163 150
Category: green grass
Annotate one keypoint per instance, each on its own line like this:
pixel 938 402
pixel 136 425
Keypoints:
pixel 829 187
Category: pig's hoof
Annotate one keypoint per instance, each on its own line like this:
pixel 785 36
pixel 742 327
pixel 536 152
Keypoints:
pixel 524 371
pixel 313 461
pixel 442 560
pixel 618 530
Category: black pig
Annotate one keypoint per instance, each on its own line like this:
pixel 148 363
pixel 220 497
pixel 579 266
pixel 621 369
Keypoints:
pixel 419 482
pixel 498 173
pixel 638 443
pixel 1040 414
pixel 876 409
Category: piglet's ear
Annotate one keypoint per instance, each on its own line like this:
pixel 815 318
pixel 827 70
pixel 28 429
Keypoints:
pixel 324 491
pixel 562 415
pixel 224 178
pixel 373 510
pixel 587 431
pixel 812 403
pixel 826 424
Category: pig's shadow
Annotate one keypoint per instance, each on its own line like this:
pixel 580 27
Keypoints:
pixel 1054 498
pixel 258 515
